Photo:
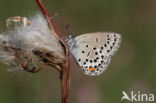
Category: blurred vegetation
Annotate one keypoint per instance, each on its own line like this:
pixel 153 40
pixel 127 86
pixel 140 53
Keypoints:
pixel 132 68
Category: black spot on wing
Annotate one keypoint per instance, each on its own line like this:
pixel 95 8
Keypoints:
pixel 96 53
pixel 115 39
pixel 108 51
pixel 97 40
pixel 95 60
pixel 88 54
pixel 91 61
pixel 102 56
pixel 94 48
pixel 102 61
pixel 113 43
pixel 86 46
pixel 114 35
pixel 99 64
pixel 79 60
pixel 105 45
pixel 101 51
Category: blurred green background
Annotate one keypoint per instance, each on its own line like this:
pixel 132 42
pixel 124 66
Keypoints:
pixel 132 68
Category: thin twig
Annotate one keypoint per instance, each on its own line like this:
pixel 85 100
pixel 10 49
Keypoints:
pixel 65 72
pixel 50 20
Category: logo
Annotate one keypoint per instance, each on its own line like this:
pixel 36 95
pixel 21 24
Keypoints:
pixel 137 97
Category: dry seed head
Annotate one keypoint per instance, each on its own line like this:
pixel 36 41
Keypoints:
pixel 37 36
pixel 6 55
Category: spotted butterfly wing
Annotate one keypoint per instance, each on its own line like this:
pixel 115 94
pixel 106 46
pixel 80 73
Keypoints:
pixel 93 51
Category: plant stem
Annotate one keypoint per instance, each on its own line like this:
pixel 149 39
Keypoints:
pixel 65 72
pixel 65 79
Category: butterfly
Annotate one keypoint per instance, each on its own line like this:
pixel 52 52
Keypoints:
pixel 93 51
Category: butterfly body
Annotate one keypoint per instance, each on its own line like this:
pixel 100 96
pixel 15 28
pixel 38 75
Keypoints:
pixel 93 51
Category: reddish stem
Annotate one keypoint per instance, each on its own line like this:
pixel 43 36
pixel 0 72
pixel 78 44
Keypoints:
pixel 65 72
pixel 50 20
pixel 65 79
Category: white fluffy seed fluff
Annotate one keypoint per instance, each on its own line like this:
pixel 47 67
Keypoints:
pixel 37 35
pixel 6 56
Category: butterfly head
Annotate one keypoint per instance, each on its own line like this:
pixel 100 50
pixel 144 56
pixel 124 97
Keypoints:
pixel 71 42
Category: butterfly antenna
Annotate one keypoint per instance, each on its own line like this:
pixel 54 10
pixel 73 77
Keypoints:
pixel 72 35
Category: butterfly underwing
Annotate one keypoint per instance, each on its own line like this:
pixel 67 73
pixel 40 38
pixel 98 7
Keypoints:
pixel 93 51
